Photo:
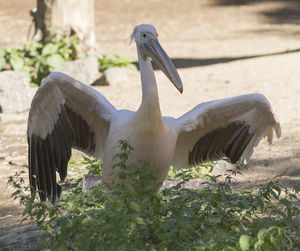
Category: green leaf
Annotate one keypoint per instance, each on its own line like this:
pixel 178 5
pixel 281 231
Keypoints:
pixel 132 67
pixel 55 61
pixel 140 221
pixel 2 63
pixel 16 62
pixel 115 61
pixel 261 233
pixel 266 246
pixel 50 48
pixel 118 205
pixel 207 235
pixel 275 240
pixel 245 242
pixel 135 206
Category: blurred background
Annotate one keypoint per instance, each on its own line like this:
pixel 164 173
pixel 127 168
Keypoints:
pixel 205 27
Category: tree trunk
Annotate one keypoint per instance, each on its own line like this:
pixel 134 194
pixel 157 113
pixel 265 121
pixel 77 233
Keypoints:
pixel 70 16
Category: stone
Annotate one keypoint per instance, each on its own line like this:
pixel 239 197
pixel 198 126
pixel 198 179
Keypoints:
pixel 114 76
pixel 21 238
pixel 221 168
pixel 102 81
pixel 15 92
pixel 190 184
pixel 89 181
pixel 85 70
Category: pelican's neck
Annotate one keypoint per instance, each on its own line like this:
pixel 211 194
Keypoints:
pixel 150 103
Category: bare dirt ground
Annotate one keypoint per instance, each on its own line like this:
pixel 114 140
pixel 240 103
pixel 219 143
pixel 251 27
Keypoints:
pixel 222 48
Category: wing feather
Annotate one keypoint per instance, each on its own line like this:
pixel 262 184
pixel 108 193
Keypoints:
pixel 32 159
pixel 41 177
pixel 64 114
pixel 52 171
pixel 48 171
pixel 229 127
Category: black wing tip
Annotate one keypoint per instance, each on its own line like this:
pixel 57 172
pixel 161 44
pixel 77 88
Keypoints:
pixel 229 141
pixel 52 154
pixel 44 196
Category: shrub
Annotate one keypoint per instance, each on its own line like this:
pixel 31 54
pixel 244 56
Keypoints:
pixel 37 60
pixel 108 61
pixel 126 218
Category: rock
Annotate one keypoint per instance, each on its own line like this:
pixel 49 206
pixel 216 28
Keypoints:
pixel 221 167
pixel 190 184
pixel 102 81
pixel 84 70
pixel 15 92
pixel 89 181
pixel 114 76
pixel 21 238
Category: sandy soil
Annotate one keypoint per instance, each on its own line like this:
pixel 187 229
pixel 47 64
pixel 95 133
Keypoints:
pixel 221 48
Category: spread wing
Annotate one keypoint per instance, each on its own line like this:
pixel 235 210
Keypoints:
pixel 229 127
pixel 64 114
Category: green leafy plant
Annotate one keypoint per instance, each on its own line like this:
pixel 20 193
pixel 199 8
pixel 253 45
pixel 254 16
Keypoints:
pixel 198 172
pixel 93 165
pixel 37 60
pixel 132 217
pixel 109 61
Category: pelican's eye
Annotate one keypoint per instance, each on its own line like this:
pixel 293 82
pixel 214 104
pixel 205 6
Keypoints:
pixel 144 35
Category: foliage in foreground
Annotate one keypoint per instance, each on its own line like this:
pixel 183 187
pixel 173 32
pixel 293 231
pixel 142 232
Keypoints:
pixel 213 218
pixel 199 172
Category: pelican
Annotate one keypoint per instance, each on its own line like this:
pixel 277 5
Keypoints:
pixel 67 114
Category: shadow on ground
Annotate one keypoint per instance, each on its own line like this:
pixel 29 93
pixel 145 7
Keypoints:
pixel 247 2
pixel 195 62
pixel 284 169
pixel 286 182
pixel 291 167
pixel 287 12
pixel 285 15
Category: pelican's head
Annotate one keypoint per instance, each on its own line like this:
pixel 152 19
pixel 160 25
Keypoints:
pixel 145 36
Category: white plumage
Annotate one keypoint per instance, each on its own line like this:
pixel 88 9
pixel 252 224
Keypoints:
pixel 66 113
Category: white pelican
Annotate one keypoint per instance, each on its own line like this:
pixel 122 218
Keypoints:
pixel 66 113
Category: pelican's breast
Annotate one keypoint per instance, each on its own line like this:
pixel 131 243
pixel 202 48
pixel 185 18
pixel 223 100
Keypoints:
pixel 156 146
pixel 152 142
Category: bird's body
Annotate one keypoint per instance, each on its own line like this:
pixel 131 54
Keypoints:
pixel 153 144
pixel 65 113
